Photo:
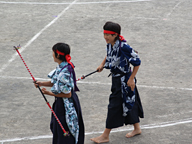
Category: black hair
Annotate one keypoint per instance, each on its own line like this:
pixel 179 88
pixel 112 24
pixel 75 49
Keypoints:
pixel 62 47
pixel 111 26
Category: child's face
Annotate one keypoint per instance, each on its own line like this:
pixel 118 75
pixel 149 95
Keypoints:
pixel 110 38
pixel 54 58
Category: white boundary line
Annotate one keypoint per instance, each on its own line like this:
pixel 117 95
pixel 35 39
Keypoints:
pixel 150 126
pixel 173 9
pixel 52 22
pixel 99 83
pixel 168 15
pixel 45 3
pixel 36 36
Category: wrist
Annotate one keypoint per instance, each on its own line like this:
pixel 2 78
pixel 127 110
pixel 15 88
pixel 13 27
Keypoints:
pixel 50 93
pixel 40 83
pixel 131 78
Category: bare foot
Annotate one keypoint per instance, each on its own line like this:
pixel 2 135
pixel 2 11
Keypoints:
pixel 133 133
pixel 100 139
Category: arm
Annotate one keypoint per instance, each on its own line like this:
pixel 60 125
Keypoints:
pixel 100 68
pixel 39 83
pixel 63 95
pixel 133 59
pixel 130 81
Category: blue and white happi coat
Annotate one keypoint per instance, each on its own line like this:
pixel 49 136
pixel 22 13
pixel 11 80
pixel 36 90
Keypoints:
pixel 118 61
pixel 63 81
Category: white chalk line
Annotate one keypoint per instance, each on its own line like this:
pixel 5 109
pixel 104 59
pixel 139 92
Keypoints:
pixel 77 3
pixel 173 9
pixel 149 126
pixel 84 3
pixel 99 83
pixel 35 37
pixel 167 16
pixel 178 114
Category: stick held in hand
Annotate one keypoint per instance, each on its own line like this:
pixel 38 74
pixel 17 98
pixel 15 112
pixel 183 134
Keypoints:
pixel 65 132
pixel 83 77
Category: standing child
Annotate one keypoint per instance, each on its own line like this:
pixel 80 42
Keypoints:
pixel 66 105
pixel 124 102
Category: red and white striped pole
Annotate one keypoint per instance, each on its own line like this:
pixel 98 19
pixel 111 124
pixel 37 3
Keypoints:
pixel 65 132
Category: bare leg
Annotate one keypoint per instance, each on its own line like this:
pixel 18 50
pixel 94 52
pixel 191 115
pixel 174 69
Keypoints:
pixel 136 131
pixel 102 138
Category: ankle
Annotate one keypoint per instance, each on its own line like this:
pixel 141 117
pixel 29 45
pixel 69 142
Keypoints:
pixel 137 127
pixel 104 135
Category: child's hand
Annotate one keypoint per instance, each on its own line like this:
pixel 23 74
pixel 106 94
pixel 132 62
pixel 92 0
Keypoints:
pixel 100 68
pixel 44 90
pixel 37 83
pixel 131 84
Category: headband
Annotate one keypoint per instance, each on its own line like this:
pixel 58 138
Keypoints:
pixel 67 57
pixel 112 32
pixel 109 32
pixel 58 52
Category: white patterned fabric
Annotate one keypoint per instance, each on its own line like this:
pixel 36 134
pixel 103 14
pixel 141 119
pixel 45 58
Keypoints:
pixel 119 58
pixel 63 82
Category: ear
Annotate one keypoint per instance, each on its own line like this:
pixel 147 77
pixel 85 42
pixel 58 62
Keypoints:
pixel 58 55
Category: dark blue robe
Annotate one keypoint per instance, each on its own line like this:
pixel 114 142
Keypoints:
pixel 58 107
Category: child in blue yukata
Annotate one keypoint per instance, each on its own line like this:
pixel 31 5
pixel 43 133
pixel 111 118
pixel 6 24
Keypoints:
pixel 124 102
pixel 66 105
